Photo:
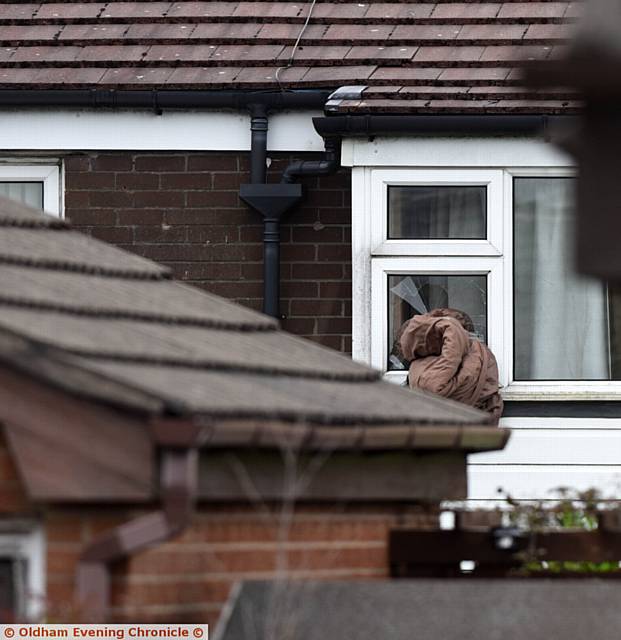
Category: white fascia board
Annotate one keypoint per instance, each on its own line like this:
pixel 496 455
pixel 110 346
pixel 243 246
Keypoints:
pixel 96 130
pixel 500 151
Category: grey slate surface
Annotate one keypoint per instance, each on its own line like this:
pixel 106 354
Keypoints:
pixel 106 324
pixel 429 609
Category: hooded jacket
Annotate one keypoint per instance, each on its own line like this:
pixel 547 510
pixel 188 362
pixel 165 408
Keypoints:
pixel 444 359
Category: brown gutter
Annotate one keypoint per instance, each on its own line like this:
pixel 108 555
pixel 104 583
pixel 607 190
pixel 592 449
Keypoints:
pixel 178 481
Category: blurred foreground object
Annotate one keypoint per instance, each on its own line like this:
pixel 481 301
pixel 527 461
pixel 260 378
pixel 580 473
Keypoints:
pixel 592 67
pixel 427 609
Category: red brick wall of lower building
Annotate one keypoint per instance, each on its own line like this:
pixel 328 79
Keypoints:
pixel 183 210
pixel 189 579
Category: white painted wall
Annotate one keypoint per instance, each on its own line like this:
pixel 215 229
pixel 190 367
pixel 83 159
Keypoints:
pixel 91 130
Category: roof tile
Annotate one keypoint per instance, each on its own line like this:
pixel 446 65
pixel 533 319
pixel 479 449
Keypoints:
pixel 179 52
pixel 502 33
pixel 474 74
pixel 278 10
pixel 136 9
pixel 92 32
pixel 49 54
pixel 513 53
pixel 533 10
pixel 408 10
pixel 448 54
pixel 547 32
pixel 358 32
pixel 312 52
pixel 426 32
pixel 375 52
pixel 112 53
pixel 18 11
pixel 136 75
pixel 160 31
pixel 406 74
pixel 29 33
pixel 54 10
pixel 471 10
pixel 340 74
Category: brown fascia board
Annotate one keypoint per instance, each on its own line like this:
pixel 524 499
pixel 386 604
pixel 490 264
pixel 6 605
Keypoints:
pixel 70 449
pixel 271 434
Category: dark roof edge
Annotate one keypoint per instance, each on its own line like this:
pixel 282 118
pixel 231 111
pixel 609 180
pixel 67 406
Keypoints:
pixel 158 100
pixel 484 124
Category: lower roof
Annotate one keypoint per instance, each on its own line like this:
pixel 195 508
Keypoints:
pixel 425 609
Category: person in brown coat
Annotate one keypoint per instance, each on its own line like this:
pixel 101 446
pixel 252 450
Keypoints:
pixel 446 360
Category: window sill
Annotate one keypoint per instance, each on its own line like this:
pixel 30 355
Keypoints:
pixel 567 391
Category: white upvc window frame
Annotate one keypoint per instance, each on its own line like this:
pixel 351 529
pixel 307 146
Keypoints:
pixel 379 163
pixel 383 178
pixel 26 544
pixel 47 171
pixel 427 265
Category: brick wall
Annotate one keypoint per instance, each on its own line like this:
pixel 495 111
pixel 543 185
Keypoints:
pixel 189 579
pixel 182 209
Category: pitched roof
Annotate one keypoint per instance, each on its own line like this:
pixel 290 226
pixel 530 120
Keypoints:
pixel 105 324
pixel 424 57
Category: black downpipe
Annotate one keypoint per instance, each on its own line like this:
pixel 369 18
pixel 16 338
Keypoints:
pixel 324 167
pixel 258 143
pixel 271 223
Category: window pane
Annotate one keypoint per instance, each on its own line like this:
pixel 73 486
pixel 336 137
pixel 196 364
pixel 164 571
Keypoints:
pixel 30 193
pixel 563 321
pixel 7 591
pixel 413 294
pixel 437 212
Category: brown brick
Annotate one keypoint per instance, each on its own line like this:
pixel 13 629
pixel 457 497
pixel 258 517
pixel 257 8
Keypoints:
pixel 92 181
pixel 110 199
pixel 316 308
pixel 76 163
pixel 301 326
pixel 334 325
pixel 213 233
pixel 116 235
pixel 112 162
pixel 141 216
pixel 137 181
pixel 319 235
pixel 160 233
pixel 213 199
pixel 90 216
pixel 227 181
pixel 206 270
pixel 185 181
pixel 335 253
pixel 298 253
pixel 317 271
pixel 162 162
pixel 212 162
pixel 159 199
pixel 335 289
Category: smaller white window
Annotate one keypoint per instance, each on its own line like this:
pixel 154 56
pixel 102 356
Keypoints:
pixel 34 184
pixel 436 212
pixel 22 572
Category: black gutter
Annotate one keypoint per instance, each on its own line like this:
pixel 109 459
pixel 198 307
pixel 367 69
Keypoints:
pixel 483 124
pixel 158 100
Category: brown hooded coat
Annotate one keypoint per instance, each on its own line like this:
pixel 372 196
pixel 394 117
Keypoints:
pixel 444 359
